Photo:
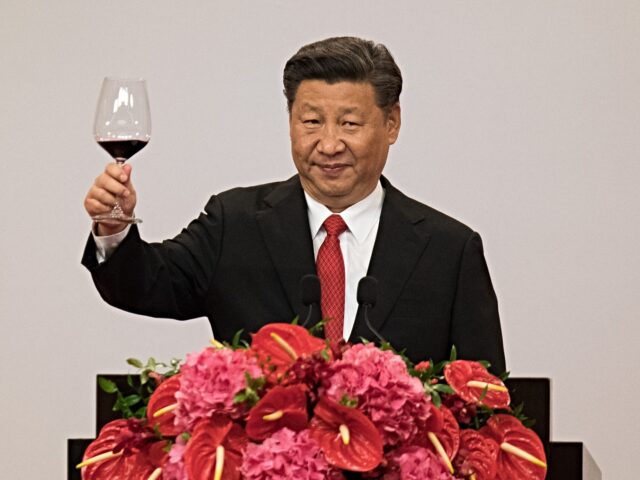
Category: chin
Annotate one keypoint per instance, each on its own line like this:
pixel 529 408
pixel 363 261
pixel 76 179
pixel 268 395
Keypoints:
pixel 334 193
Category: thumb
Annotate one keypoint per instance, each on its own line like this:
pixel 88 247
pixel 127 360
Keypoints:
pixel 126 169
pixel 126 175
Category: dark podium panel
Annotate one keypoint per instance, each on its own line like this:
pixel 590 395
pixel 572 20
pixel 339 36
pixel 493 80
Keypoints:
pixel 565 460
pixel 568 459
pixel 535 394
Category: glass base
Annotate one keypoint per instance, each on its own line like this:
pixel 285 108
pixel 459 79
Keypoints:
pixel 114 218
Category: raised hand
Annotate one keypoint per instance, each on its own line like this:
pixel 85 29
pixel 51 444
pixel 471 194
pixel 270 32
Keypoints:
pixel 114 183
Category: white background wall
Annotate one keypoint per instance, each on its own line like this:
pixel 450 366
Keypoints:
pixel 521 118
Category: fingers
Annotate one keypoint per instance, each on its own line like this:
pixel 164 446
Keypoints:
pixel 105 185
pixel 101 198
pixel 115 179
pixel 113 184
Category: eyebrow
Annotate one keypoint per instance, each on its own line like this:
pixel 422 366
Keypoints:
pixel 308 106
pixel 345 111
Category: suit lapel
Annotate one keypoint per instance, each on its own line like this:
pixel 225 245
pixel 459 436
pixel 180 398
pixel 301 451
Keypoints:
pixel 284 225
pixel 401 240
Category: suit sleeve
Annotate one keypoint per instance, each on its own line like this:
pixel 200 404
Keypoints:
pixel 476 331
pixel 168 279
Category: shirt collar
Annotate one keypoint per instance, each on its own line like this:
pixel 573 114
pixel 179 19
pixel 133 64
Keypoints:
pixel 359 217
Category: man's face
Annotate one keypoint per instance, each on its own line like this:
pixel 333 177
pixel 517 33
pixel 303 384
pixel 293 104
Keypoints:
pixel 340 140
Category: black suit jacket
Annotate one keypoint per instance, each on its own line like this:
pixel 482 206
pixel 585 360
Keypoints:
pixel 240 264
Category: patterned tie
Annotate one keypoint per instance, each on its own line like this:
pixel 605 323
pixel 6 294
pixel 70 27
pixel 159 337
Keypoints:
pixel 330 267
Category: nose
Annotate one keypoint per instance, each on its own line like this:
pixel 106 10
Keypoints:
pixel 330 142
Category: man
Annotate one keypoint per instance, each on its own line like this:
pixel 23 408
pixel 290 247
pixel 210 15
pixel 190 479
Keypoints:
pixel 240 263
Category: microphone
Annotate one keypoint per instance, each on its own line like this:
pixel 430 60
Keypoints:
pixel 310 293
pixel 367 297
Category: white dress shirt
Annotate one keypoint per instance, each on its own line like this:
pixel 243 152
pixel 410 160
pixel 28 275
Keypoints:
pixel 356 243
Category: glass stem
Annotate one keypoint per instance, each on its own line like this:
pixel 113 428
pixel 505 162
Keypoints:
pixel 117 212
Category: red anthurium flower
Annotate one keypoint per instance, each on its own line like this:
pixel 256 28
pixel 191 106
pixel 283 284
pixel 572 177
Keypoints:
pixel 477 455
pixel 473 383
pixel 215 450
pixel 123 450
pixel 280 407
pixel 444 439
pixel 521 455
pixel 448 434
pixel 348 439
pixel 281 344
pixel 161 406
pixel 435 422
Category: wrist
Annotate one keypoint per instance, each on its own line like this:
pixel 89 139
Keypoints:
pixel 105 229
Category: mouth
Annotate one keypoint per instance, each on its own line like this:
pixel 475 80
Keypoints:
pixel 332 169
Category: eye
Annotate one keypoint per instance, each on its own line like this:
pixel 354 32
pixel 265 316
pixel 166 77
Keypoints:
pixel 350 124
pixel 310 121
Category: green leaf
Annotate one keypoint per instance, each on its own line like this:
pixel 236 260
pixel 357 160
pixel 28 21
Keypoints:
pixel 454 354
pixel 134 362
pixel 442 388
pixel 141 412
pixel 240 397
pixel 250 393
pixel 131 400
pixel 296 320
pixel 436 399
pixel 437 368
pixel 318 328
pixel 485 390
pixel 235 341
pixel 107 385
pixel 348 401
pixel 485 363
pixel 121 406
pixel 254 383
pixel 517 410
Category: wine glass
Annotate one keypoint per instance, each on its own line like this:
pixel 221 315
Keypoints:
pixel 122 127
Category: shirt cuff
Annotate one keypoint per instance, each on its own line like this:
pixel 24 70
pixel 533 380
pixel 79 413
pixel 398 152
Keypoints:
pixel 106 244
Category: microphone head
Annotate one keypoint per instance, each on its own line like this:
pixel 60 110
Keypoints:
pixel 310 290
pixel 367 291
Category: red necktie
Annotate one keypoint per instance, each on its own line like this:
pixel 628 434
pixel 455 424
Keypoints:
pixel 330 267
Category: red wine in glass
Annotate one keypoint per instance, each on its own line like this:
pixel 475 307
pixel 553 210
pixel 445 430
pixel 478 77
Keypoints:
pixel 122 127
pixel 122 148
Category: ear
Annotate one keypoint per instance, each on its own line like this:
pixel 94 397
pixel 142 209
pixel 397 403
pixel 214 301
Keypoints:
pixel 290 125
pixel 393 123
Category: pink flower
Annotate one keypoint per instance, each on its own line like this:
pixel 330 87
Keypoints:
pixel 174 469
pixel 379 381
pixel 209 382
pixel 285 455
pixel 416 463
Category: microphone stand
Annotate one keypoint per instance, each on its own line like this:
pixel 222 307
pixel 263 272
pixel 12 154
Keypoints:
pixel 367 297
pixel 310 293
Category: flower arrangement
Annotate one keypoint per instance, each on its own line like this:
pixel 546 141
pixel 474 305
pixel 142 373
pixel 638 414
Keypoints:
pixel 290 406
